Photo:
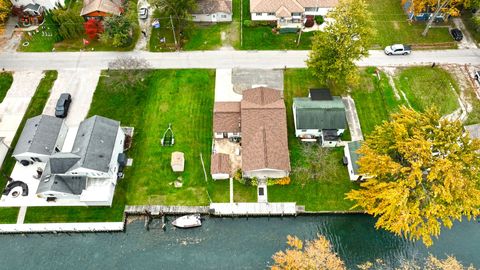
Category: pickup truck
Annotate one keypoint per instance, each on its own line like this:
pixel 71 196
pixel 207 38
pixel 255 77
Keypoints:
pixel 398 49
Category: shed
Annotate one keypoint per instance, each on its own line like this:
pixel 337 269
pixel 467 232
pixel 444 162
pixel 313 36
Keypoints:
pixel 178 162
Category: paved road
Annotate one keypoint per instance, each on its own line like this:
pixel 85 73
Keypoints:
pixel 220 59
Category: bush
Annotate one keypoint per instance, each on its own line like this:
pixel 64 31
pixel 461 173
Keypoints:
pixel 265 23
pixel 476 22
pixel 70 24
pixel 118 31
pixel 319 20
pixel 247 23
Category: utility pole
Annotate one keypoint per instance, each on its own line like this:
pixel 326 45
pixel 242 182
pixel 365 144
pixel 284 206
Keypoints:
pixel 174 35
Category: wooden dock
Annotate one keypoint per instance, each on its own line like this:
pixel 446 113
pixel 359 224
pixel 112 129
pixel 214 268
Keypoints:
pixel 157 210
pixel 253 209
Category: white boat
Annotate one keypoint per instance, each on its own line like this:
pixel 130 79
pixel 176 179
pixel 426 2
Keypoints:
pixel 188 221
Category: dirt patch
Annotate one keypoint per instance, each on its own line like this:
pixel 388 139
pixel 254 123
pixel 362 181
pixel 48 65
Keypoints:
pixel 396 26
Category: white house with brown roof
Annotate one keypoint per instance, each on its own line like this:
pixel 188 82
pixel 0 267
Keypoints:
pixel 213 11
pixel 289 12
pixel 260 121
pixel 101 8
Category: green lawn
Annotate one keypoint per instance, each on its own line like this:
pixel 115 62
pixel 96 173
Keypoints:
pixel 164 32
pixel 374 100
pixel 41 41
pixel 425 87
pixel 9 215
pixel 392 26
pixel 6 80
pixel 183 98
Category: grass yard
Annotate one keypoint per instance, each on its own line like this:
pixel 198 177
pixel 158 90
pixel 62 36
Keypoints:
pixel 9 215
pixel 181 97
pixel 425 87
pixel 42 40
pixel 392 26
pixel 374 100
pixel 164 33
pixel 6 80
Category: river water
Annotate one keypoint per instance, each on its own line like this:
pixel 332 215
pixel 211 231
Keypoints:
pixel 226 243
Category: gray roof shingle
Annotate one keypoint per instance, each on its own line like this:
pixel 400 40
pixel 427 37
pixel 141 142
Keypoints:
pixel 39 135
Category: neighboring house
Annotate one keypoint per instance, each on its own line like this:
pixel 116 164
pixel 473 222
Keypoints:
pixel 289 13
pixel 220 167
pixel 226 120
pixel 213 11
pixel 350 158
pixel 422 16
pixel 29 15
pixel 88 173
pixel 101 8
pixel 47 4
pixel 319 116
pixel 41 137
pixel 260 121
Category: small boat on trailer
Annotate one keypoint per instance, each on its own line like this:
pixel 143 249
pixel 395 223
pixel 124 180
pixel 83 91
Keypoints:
pixel 188 221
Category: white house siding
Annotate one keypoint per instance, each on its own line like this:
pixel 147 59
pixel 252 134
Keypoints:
pixel 119 142
pixel 220 176
pixel 48 4
pixel 219 135
pixel 265 173
pixel 28 156
pixel 3 151
pixel 216 17
pixel 319 12
pixel 263 17
pixel 307 132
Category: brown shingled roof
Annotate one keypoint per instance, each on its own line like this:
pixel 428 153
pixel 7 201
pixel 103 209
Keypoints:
pixel 213 6
pixel 220 164
pixel 113 7
pixel 264 130
pixel 289 5
pixel 226 117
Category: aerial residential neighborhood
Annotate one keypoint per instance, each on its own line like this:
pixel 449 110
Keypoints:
pixel 240 134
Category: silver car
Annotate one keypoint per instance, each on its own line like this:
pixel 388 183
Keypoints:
pixel 398 49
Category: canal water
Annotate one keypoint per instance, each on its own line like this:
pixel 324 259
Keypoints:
pixel 226 243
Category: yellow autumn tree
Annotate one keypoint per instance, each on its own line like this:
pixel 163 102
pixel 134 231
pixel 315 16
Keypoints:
pixel 5 9
pixel 425 173
pixel 429 263
pixel 316 254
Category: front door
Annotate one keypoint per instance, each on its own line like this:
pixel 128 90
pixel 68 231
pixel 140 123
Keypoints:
pixel 214 17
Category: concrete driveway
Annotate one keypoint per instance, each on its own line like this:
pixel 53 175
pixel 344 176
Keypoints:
pixel 145 26
pixel 81 85
pixel 467 42
pixel 16 102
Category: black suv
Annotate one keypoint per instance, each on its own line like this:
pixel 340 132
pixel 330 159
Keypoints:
pixel 456 34
pixel 63 103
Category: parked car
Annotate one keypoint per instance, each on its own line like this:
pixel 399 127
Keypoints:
pixel 63 103
pixel 398 49
pixel 143 14
pixel 477 76
pixel 456 34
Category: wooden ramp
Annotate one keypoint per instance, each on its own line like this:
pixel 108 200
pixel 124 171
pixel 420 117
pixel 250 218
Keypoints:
pixel 253 209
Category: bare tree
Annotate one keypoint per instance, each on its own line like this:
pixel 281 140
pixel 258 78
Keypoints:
pixel 126 72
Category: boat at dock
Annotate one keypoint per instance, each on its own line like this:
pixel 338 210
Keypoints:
pixel 188 221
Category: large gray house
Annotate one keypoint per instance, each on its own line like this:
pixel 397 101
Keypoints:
pixel 87 172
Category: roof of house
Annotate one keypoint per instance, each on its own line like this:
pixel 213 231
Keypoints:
pixel 226 117
pixel 264 130
pixel 474 131
pixel 220 164
pixel 61 183
pixel 94 143
pixel 354 156
pixel 113 7
pixel 288 6
pixel 319 114
pixel 213 6
pixel 39 135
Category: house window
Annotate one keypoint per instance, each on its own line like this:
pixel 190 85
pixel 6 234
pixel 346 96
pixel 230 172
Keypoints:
pixel 194 16
pixel 223 16
pixel 259 14
pixel 271 14
pixel 304 130
pixel 311 9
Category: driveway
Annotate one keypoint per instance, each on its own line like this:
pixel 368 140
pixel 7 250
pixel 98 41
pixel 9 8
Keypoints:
pixel 16 102
pixel 467 41
pixel 81 85
pixel 145 26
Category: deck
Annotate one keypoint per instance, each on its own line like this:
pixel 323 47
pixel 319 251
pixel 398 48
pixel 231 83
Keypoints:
pixel 253 209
